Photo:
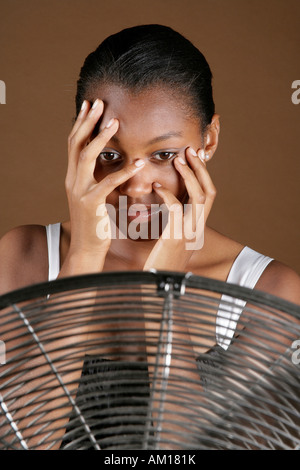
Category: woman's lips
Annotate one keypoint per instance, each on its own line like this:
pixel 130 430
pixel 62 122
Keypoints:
pixel 141 213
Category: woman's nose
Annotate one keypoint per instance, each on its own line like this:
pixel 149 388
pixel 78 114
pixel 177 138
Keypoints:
pixel 139 185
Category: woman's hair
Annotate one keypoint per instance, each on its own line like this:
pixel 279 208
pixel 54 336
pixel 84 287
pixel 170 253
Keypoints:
pixel 149 55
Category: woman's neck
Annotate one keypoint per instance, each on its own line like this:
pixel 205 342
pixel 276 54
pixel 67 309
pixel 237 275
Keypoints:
pixel 131 252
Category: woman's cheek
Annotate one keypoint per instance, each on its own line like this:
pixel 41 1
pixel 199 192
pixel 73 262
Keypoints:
pixel 101 171
pixel 167 176
pixel 170 179
pixel 113 198
pixel 98 172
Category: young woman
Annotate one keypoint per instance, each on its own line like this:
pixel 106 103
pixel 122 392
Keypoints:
pixel 144 134
pixel 149 136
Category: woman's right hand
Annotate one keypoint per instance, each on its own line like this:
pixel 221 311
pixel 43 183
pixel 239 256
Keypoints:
pixel 85 195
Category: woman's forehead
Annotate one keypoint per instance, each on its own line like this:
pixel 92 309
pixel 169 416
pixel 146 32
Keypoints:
pixel 154 111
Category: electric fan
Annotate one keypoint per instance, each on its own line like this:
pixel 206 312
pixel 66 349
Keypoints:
pixel 148 360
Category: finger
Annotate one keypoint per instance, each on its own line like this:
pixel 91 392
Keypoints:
pixel 175 208
pixel 85 107
pixel 192 183
pixel 102 189
pixel 83 130
pixel 72 159
pixel 87 120
pixel 88 156
pixel 166 195
pixel 192 210
pixel 203 176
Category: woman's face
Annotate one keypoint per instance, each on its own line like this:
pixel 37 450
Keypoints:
pixel 154 126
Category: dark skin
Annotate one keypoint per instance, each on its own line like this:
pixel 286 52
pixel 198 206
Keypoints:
pixel 170 140
pixel 139 119
pixel 141 132
pixel 157 129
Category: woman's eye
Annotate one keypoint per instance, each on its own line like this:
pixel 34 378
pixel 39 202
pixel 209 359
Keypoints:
pixel 164 156
pixel 108 157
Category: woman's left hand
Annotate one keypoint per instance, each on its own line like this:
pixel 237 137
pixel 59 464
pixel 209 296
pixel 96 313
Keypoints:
pixel 184 232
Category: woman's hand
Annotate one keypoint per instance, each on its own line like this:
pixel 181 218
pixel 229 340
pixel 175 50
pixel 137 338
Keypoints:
pixel 173 254
pixel 184 232
pixel 86 196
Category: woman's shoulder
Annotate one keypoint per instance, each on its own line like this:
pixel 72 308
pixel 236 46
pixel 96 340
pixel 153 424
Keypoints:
pixel 222 253
pixel 280 280
pixel 23 238
pixel 217 255
pixel 23 257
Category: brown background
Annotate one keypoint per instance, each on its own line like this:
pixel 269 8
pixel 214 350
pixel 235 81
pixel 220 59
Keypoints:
pixel 253 48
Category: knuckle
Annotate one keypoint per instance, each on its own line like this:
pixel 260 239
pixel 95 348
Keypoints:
pixel 68 186
pixel 83 154
pixel 109 180
pixel 72 140
pixel 200 199
pixel 212 192
pixel 76 194
pixel 130 171
pixel 82 200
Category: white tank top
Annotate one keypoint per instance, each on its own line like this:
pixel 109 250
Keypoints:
pixel 245 271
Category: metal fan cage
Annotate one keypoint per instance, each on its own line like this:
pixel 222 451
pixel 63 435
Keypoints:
pixel 129 361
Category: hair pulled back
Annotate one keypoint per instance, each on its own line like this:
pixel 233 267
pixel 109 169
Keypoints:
pixel 148 55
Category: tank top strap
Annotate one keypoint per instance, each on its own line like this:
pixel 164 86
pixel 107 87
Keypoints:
pixel 53 242
pixel 245 271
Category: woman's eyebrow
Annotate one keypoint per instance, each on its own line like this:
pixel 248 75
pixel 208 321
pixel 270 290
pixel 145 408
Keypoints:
pixel 166 136
pixel 157 139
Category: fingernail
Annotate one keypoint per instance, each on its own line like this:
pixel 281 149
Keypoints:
pixel 83 106
pixel 181 160
pixel 139 163
pixel 110 123
pixel 157 185
pixel 95 104
pixel 201 156
pixel 193 152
